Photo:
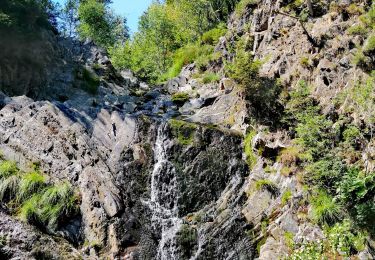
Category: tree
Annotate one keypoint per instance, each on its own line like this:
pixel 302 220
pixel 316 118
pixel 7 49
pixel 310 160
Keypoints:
pixel 98 23
pixel 69 16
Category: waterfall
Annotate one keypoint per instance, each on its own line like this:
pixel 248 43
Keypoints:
pixel 164 197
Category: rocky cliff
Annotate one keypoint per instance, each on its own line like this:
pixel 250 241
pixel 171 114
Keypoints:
pixel 159 178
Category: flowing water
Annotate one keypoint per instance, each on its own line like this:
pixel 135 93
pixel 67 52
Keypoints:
pixel 164 197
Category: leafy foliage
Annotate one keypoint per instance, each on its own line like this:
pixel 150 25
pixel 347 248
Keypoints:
pixel 27 16
pixel 98 23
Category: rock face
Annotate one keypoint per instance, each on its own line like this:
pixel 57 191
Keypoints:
pixel 139 181
pixel 153 186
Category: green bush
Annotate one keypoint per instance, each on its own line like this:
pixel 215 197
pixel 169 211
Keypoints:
pixel 342 239
pixel 325 209
pixel 212 36
pixel 243 4
pixel 305 62
pixel 351 134
pixel 325 172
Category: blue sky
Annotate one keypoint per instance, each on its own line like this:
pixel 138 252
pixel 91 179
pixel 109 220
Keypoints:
pixel 131 9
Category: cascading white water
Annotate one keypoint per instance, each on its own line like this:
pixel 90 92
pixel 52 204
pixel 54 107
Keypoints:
pixel 164 197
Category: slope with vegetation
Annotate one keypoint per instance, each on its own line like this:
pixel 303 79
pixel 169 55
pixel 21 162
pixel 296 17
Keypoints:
pixel 256 142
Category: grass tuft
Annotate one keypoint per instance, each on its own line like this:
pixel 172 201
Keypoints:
pixel 7 168
pixel 324 209
pixel 30 184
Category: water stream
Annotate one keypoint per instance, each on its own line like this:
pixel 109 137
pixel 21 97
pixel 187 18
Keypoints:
pixel 164 197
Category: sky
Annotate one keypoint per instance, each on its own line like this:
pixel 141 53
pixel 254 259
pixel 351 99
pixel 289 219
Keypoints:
pixel 131 9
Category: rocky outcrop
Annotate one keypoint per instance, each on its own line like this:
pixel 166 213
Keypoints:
pixel 167 180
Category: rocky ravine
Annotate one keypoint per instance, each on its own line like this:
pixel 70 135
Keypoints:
pixel 150 187
pixel 153 187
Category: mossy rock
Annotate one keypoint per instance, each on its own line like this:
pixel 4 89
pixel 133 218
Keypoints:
pixel 180 98
pixel 183 131
pixel 87 80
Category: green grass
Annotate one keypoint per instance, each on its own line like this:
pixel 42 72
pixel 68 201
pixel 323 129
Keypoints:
pixel 251 157
pixel 29 210
pixel 186 55
pixel 210 77
pixel 285 198
pixel 7 168
pixel 30 183
pixel 357 30
pixel 9 188
pixel 34 200
pixel 370 44
pixel 324 209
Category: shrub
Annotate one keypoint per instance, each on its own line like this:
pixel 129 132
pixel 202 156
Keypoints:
pixel 242 5
pixel 342 239
pixel 325 209
pixel 212 36
pixel 290 155
pixel 288 237
pixel 354 9
pixel 325 172
pixel 308 251
pixel 351 134
pixel 314 132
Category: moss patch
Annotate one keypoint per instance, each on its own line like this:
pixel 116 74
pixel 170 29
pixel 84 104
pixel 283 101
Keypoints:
pixel 88 80
pixel 251 157
pixel 180 98
pixel 184 131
